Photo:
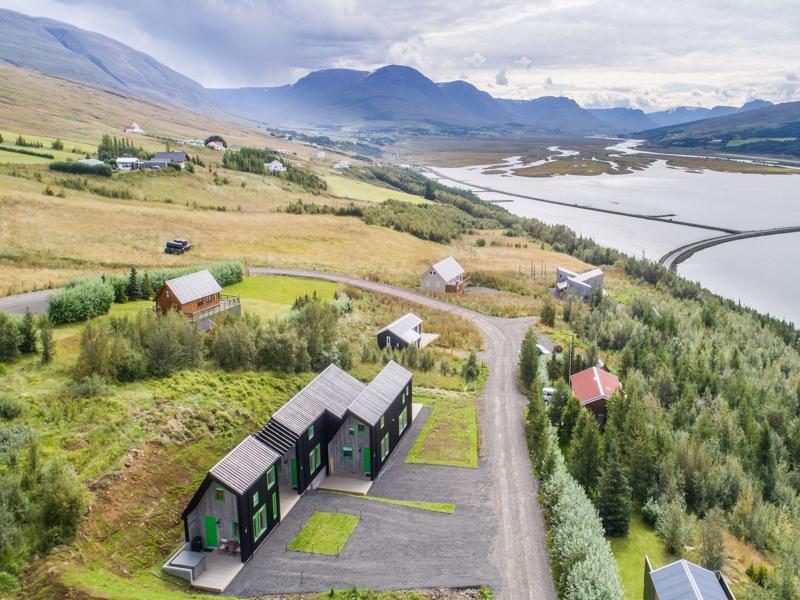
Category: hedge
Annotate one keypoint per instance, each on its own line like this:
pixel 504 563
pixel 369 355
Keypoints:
pixel 28 152
pixel 80 168
pixel 91 297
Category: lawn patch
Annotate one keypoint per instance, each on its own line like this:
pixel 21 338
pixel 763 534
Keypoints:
pixel 629 552
pixel 272 296
pixel 450 437
pixel 442 507
pixel 351 189
pixel 325 533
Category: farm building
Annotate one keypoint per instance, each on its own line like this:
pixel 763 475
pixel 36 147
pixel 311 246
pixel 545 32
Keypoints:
pixel 684 580
pixel 405 331
pixel 341 165
pixel 275 166
pixel 216 145
pixel 593 387
pixel 127 163
pixel 336 425
pixel 133 128
pixel 582 285
pixel 164 158
pixel 445 276
pixel 197 295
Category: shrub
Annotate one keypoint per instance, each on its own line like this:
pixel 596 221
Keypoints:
pixel 674 526
pixel 233 346
pixel 651 511
pixel 62 501
pixel 280 348
pixel 91 386
pixel 57 144
pixel 90 298
pixel 548 313
pixel 10 337
pixel 46 339
pixel 10 408
pixel 80 168
pixel 471 369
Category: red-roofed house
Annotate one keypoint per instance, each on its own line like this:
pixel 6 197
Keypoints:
pixel 593 387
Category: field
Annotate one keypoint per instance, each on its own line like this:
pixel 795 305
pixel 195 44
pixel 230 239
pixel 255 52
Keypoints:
pixel 629 552
pixel 352 189
pixel 450 436
pixel 325 533
pixel 270 297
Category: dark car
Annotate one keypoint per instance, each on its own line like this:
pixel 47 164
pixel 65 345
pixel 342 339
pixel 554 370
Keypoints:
pixel 177 246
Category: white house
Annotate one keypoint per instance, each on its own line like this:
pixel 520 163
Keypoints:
pixel 133 128
pixel 582 284
pixel 275 166
pixel 445 276
pixel 216 145
pixel 321 155
pixel 127 163
pixel 342 165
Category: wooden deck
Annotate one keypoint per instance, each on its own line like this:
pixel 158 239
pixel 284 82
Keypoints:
pixel 348 485
pixel 219 572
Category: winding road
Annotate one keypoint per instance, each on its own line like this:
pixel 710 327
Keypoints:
pixel 519 550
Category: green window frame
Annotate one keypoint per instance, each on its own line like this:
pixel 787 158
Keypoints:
pixel 361 428
pixel 347 453
pixel 255 499
pixel 275 505
pixel 219 493
pixel 385 447
pixel 314 458
pixel 235 529
pixel 259 522
pixel 402 421
pixel 311 433
pixel 383 421
pixel 351 431
pixel 271 477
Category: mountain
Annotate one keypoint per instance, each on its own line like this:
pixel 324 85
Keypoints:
pixel 773 129
pixel 687 114
pixel 58 49
pixel 623 120
pixel 475 101
pixel 556 113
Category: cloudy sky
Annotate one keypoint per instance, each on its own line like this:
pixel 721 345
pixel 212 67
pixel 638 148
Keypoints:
pixel 648 54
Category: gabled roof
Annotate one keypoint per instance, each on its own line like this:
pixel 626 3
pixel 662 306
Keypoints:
pixel 171 156
pixel 593 384
pixel 193 286
pixel 404 328
pixel 243 465
pixel 448 269
pixel 683 580
pixel 333 390
pixel 372 403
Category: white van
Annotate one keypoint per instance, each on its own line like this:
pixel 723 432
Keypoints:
pixel 548 393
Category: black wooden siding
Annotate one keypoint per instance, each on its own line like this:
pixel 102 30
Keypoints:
pixel 391 421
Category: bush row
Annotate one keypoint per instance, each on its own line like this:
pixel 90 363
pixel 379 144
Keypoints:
pixel 29 152
pixel 80 168
pixel 89 298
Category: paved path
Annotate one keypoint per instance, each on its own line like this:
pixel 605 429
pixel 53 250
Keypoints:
pixel 37 301
pixel 518 550
pixel 672 259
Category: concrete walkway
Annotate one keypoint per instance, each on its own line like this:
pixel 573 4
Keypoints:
pixel 517 549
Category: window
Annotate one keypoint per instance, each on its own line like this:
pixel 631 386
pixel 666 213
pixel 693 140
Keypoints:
pixel 347 453
pixel 383 421
pixel 361 427
pixel 271 477
pixel 219 493
pixel 314 459
pixel 255 499
pixel 351 431
pixel 275 506
pixel 259 522
pixel 402 421
pixel 385 447
pixel 311 432
pixel 235 530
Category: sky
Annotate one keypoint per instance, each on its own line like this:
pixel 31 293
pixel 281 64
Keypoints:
pixel 649 54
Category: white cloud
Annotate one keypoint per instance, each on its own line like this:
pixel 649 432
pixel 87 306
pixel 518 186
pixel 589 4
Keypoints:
pixel 662 51
pixel 500 78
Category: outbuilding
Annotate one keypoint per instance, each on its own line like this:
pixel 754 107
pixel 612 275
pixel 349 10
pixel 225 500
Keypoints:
pixel 165 158
pixel 593 387
pixel 275 166
pixel 684 580
pixel 444 276
pixel 402 333
pixel 197 295
pixel 581 284
pixel 127 163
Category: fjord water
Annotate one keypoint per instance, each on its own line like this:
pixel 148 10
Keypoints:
pixel 763 273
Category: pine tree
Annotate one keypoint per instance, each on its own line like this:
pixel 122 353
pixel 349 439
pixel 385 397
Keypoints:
pixel 548 313
pixel 133 291
pixel 46 339
pixel 28 343
pixel 430 193
pixel 768 463
pixel 711 541
pixel 584 452
pixel 147 286
pixel 569 419
pixel 536 425
pixel 614 493
pixel 529 359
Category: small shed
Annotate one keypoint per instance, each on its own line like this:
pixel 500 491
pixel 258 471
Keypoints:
pixel 444 276
pixel 684 580
pixel 238 500
pixel 127 163
pixel 593 387
pixel 581 284
pixel 275 166
pixel 405 331
pixel 376 421
pixel 189 294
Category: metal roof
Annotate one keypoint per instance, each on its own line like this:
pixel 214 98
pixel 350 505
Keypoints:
pixel 448 269
pixel 403 325
pixel 588 275
pixel 683 580
pixel 243 465
pixel 171 156
pixel 333 390
pixel 193 286
pixel 592 384
pixel 380 393
pixel 277 436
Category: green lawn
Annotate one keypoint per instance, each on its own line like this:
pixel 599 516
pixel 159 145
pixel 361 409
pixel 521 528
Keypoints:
pixel 450 436
pixel 9 137
pixel 630 551
pixel 325 533
pixel 272 296
pixel 442 507
pixel 344 187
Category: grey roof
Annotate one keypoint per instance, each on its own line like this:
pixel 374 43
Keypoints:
pixel 372 403
pixel 277 436
pixel 171 156
pixel 91 161
pixel 448 269
pixel 333 390
pixel 404 327
pixel 683 580
pixel 193 286
pixel 243 465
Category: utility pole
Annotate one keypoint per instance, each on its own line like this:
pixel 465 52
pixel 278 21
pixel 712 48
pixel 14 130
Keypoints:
pixel 570 354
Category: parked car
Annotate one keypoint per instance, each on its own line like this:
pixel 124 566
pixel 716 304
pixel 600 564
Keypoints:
pixel 177 246
pixel 547 393
pixel 542 350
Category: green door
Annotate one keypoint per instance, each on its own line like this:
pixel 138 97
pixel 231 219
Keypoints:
pixel 211 532
pixel 367 461
pixel 294 473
